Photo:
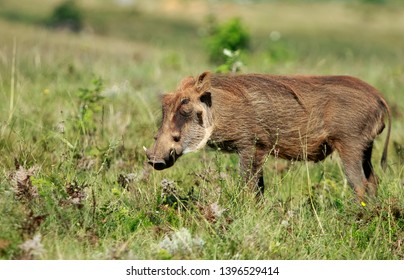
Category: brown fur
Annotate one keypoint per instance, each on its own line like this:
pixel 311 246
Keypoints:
pixel 291 117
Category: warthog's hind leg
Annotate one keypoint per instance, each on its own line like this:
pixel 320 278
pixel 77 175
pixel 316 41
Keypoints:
pixel 372 181
pixel 352 160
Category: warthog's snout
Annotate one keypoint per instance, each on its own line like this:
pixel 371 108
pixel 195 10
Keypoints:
pixel 160 163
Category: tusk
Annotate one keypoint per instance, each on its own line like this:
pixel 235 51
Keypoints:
pixel 145 149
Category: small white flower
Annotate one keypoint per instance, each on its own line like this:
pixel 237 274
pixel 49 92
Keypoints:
pixel 216 210
pixel 33 246
pixel 228 53
pixel 290 214
pixel 275 35
pixel 237 256
pixel 285 223
pixel 76 200
pixel 181 242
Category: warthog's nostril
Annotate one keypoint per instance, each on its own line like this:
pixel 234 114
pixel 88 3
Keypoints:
pixel 176 137
pixel 158 164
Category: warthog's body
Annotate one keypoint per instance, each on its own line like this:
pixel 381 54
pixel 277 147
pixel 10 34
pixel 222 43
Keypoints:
pixel 291 117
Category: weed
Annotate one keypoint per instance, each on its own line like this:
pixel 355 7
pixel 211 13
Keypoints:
pixel 89 106
pixel 180 244
pixel 232 64
pixel 21 181
pixel 32 247
pixel 230 35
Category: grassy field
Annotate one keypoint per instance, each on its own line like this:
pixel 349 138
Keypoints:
pixel 76 110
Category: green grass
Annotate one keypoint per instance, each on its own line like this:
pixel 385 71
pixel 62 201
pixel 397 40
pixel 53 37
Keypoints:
pixel 83 183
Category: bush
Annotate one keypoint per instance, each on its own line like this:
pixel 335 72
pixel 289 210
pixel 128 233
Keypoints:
pixel 230 35
pixel 374 1
pixel 67 15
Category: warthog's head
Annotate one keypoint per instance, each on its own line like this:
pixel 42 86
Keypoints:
pixel 187 122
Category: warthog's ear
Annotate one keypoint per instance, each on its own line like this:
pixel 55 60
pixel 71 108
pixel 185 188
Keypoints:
pixel 203 82
pixel 206 98
pixel 185 83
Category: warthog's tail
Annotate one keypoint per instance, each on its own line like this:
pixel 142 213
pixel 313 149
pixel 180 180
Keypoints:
pixel 383 161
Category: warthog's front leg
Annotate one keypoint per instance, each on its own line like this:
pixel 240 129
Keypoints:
pixel 251 161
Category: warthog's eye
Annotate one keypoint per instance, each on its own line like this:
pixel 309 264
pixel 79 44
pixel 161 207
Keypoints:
pixel 184 101
pixel 185 109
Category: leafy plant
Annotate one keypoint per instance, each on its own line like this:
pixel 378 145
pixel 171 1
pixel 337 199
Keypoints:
pixel 67 15
pixel 180 244
pixel 232 64
pixel 230 35
pixel 89 106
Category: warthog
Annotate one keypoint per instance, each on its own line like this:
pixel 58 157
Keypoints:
pixel 290 117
